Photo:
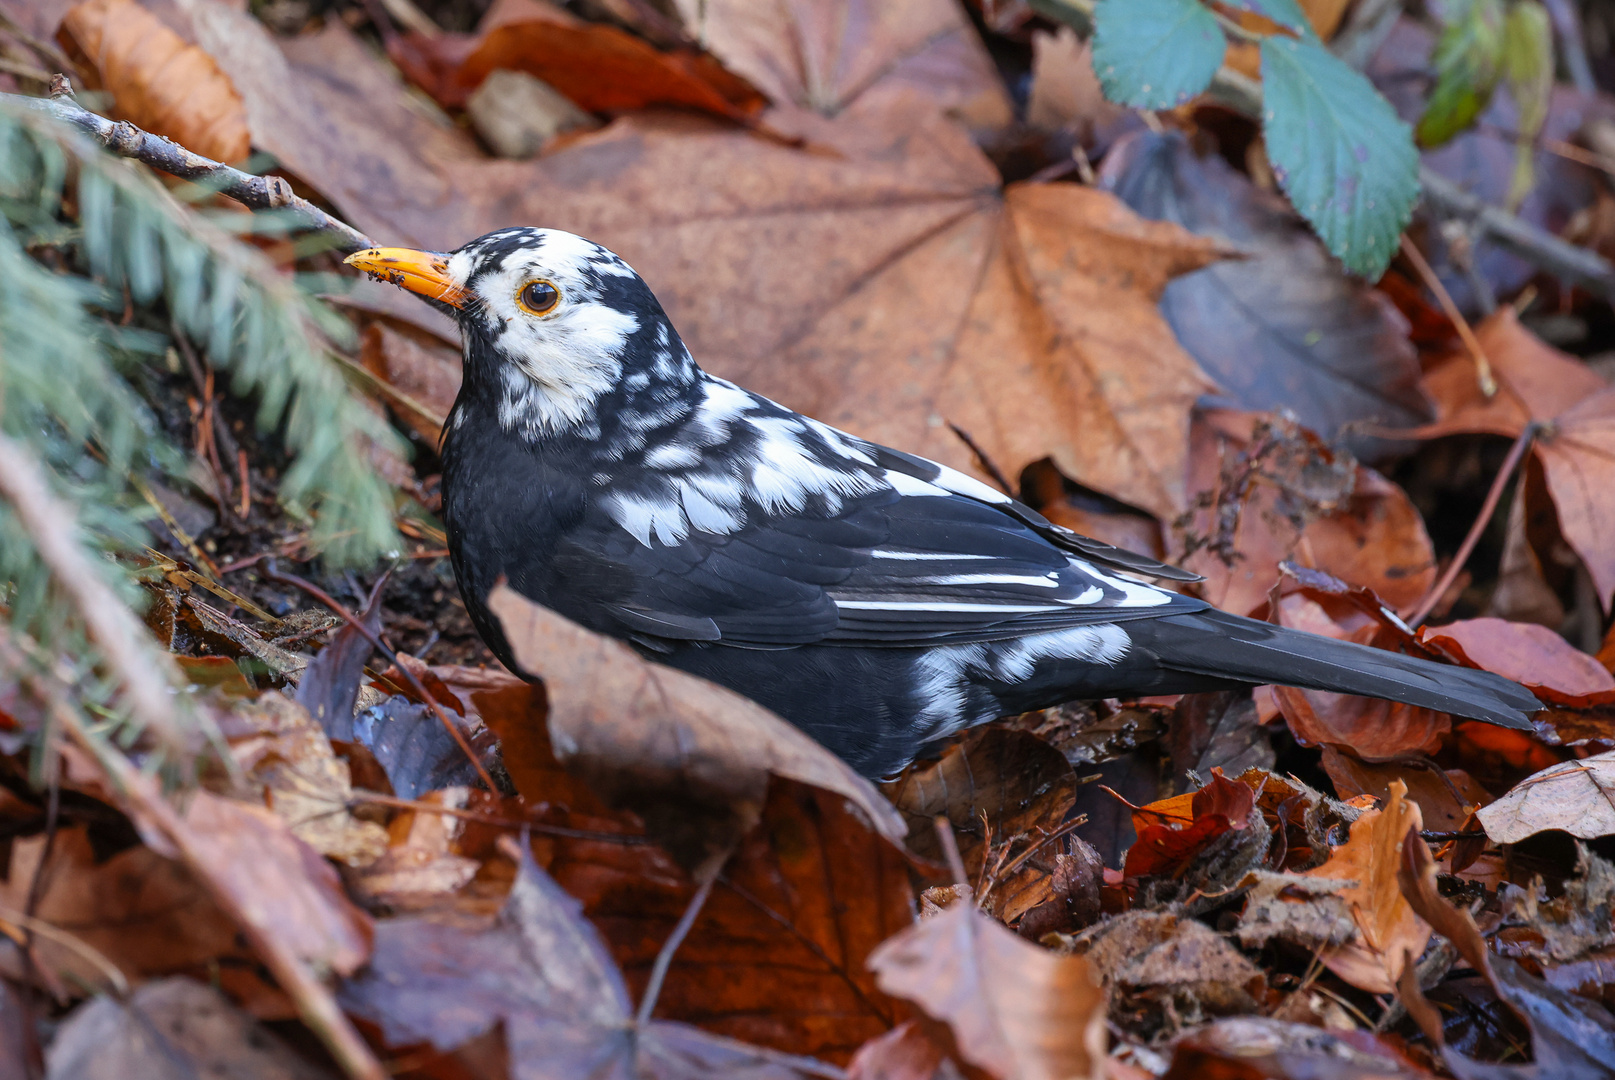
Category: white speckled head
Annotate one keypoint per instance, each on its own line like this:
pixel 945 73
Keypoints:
pixel 557 357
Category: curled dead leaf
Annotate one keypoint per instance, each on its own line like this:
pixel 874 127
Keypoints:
pixel 666 742
pixel 1015 1009
pixel 157 81
pixel 1389 931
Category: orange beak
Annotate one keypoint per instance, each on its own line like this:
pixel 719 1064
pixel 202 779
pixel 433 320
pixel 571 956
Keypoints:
pixel 424 272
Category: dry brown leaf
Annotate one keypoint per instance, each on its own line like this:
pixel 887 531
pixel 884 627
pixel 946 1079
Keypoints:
pixel 143 912
pixel 171 1028
pixel 1268 491
pixel 157 81
pixel 1446 798
pixel 303 780
pixel 997 785
pixel 1577 797
pixel 897 267
pixel 832 56
pixel 1015 1009
pixel 657 738
pixel 418 366
pixel 1165 957
pixel 1259 1047
pixel 1065 91
pixel 598 66
pixel 420 865
pixel 904 1053
pixel 1577 444
pixel 279 881
pixel 1389 930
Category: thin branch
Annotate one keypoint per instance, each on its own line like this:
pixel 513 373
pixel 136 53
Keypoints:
pixel 1515 455
pixel 664 957
pixel 255 192
pixel 145 675
pixel 364 631
pixel 1483 365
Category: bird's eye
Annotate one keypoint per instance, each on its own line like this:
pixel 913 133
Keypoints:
pixel 538 297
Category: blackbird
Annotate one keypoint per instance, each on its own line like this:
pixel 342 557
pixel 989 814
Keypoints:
pixel 877 600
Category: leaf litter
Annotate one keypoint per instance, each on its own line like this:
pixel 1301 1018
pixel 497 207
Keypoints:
pixel 667 881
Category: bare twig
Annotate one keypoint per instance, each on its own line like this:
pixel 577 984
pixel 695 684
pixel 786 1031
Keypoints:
pixel 1559 257
pixel 1515 455
pixel 255 192
pixel 1483 366
pixel 144 674
pixel 950 850
pixel 72 942
pixel 364 631
pixel 664 957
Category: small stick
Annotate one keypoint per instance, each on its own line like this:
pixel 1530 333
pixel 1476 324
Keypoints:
pixel 274 574
pixel 664 958
pixel 1515 455
pixel 254 192
pixel 1483 365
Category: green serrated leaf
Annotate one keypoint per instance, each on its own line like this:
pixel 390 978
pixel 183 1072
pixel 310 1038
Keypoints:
pixel 1155 54
pixel 1340 152
pixel 1287 13
pixel 1469 60
pixel 1527 63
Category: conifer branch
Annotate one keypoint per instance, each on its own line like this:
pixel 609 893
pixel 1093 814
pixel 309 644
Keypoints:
pixel 254 192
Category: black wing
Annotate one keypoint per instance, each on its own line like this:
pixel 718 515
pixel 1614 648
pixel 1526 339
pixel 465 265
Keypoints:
pixel 899 551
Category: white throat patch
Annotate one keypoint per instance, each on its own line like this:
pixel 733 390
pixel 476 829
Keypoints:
pixel 554 366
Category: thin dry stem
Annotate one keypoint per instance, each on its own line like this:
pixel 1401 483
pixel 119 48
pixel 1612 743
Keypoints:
pixel 1483 365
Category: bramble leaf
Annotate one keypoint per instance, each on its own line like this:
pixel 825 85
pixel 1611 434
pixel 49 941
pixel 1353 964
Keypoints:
pixel 1155 54
pixel 1468 59
pixel 1340 152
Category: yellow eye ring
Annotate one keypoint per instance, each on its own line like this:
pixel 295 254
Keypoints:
pixel 538 297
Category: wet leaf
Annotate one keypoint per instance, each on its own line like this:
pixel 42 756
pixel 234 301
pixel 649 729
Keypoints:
pixel 1576 796
pixel 1016 1010
pixel 1339 151
pixel 1285 327
pixel 542 972
pixel 157 81
pixel 661 740
pixel 1389 930
pixel 1155 54
pixel 171 1028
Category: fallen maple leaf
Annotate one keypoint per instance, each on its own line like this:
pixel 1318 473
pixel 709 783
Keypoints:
pixel 897 266
pixel 1015 1009
pixel 1576 796
pixel 542 972
pixel 832 56
pixel 157 81
pixel 1574 407
pixel 1533 656
pixel 1389 930
pixel 654 737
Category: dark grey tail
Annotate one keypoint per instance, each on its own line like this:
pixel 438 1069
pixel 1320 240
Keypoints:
pixel 1219 645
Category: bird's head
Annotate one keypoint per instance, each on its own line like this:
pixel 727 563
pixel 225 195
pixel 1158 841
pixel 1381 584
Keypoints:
pixel 552 323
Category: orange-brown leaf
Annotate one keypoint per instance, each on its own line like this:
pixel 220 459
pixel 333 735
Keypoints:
pixel 157 81
pixel 1389 930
